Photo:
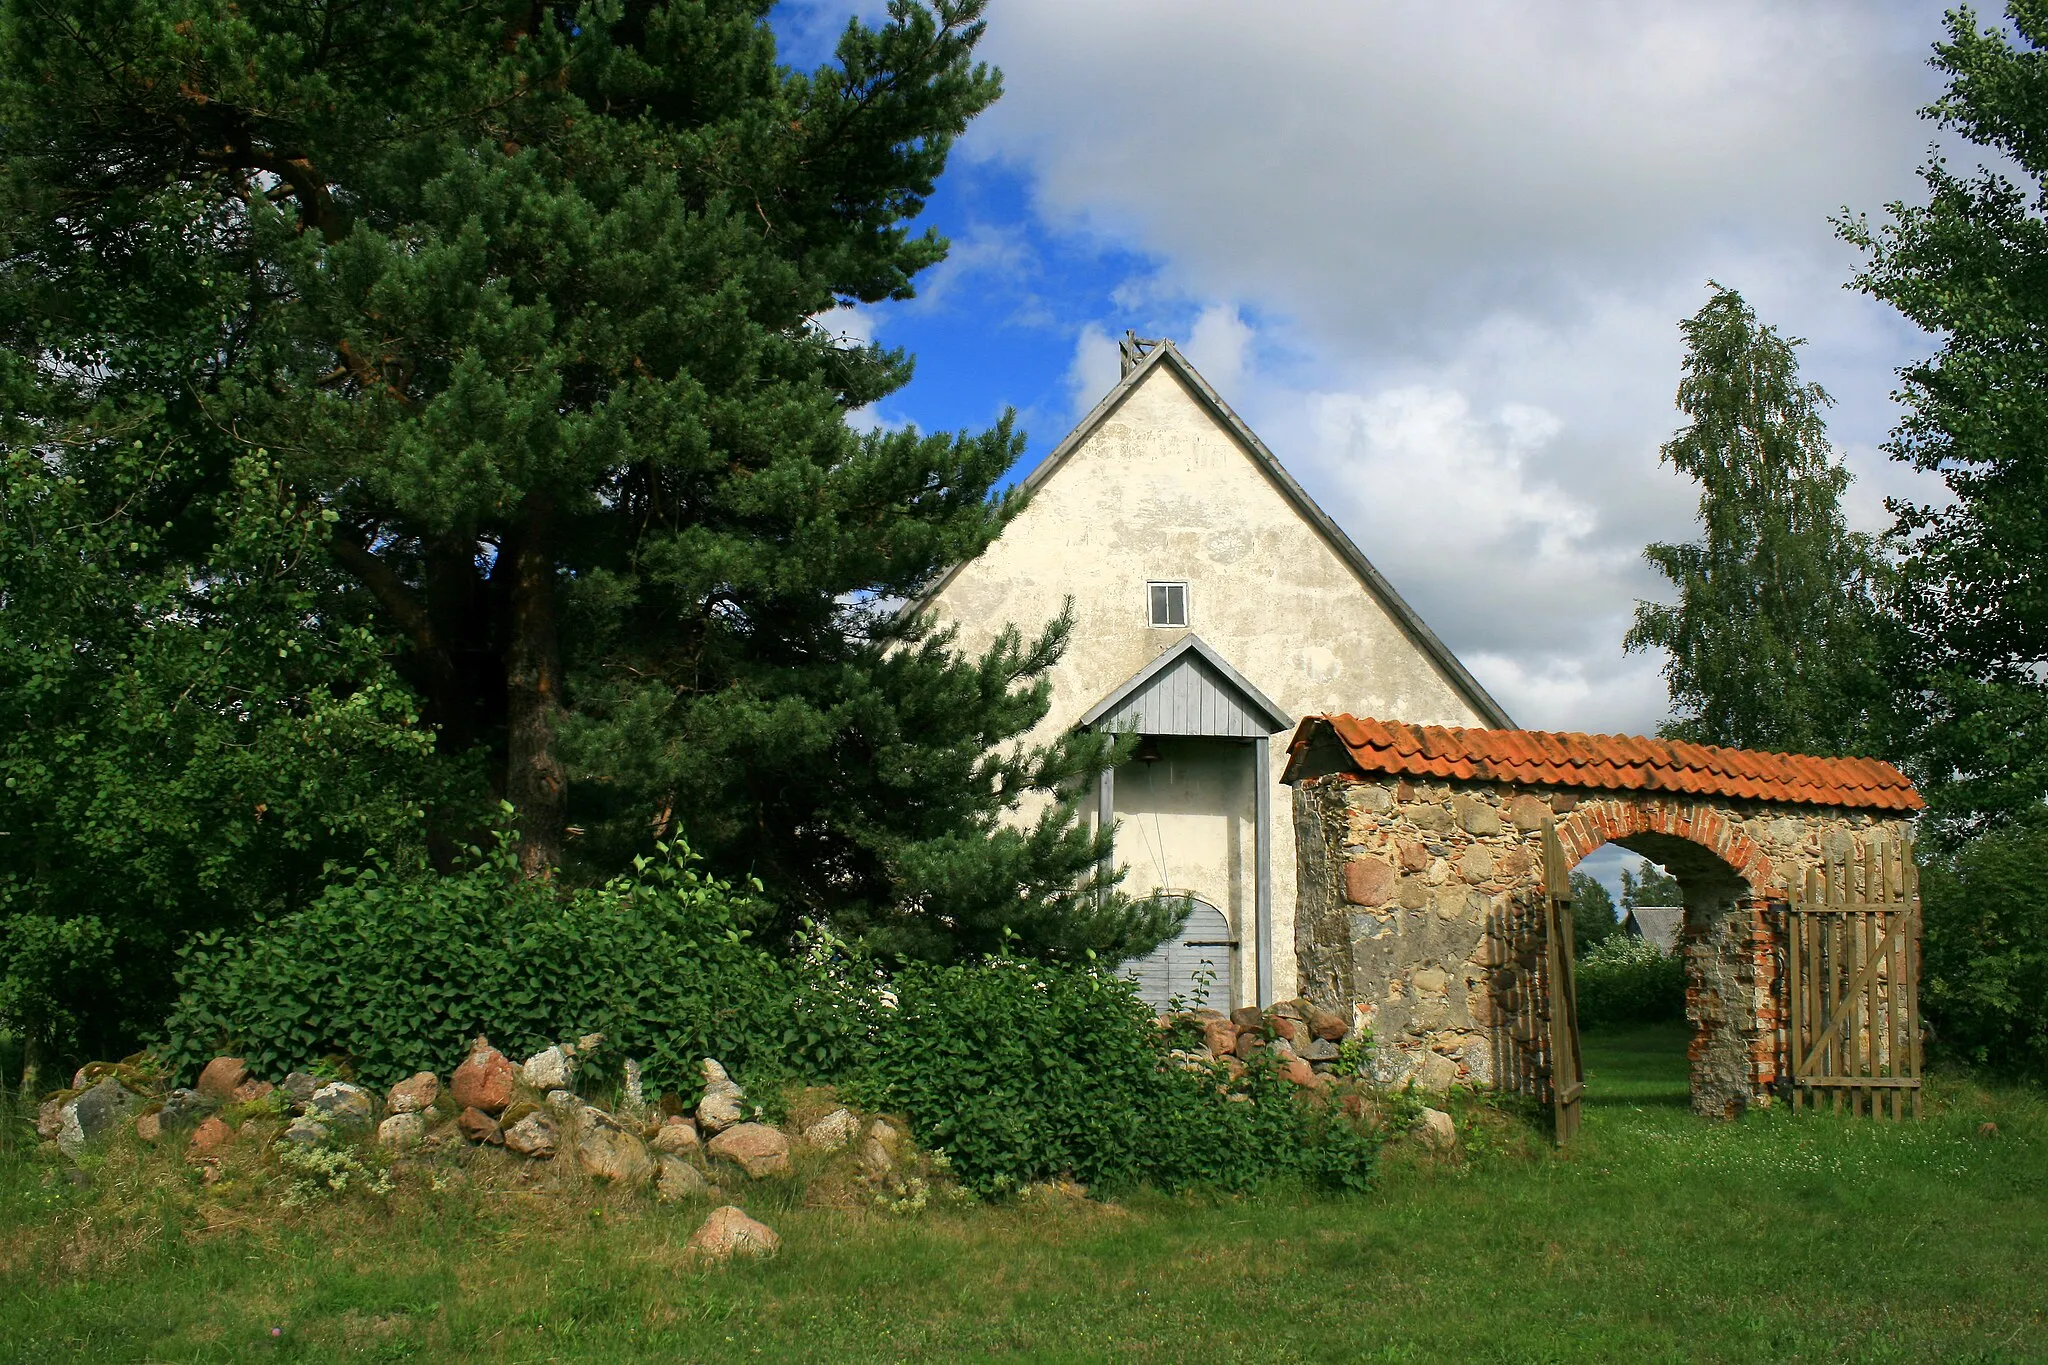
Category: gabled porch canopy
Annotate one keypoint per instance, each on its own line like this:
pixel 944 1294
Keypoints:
pixel 1188 690
pixel 1191 690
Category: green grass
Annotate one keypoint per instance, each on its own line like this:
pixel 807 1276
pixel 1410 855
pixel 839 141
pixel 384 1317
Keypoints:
pixel 1660 1237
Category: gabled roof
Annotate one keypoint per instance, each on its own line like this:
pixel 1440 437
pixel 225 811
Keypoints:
pixel 1656 925
pixel 1168 355
pixel 1172 696
pixel 1602 762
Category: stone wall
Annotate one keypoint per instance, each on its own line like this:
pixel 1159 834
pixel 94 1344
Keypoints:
pixel 1420 905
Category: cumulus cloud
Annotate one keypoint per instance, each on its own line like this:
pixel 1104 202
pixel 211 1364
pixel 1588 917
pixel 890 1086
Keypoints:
pixel 1437 254
pixel 1463 237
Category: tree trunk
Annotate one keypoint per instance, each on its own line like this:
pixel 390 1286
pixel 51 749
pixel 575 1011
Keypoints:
pixel 534 781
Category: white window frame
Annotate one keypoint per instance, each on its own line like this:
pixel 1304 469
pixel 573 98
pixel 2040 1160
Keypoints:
pixel 1185 613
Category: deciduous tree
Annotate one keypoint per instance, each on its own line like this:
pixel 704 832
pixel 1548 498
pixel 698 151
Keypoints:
pixel 1970 265
pixel 1774 640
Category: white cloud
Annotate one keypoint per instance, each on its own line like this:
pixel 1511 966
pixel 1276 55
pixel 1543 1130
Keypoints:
pixel 1466 235
pixel 1095 369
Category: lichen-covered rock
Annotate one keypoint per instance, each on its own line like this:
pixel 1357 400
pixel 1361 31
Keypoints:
pixel 183 1108
pixel 484 1080
pixel 1437 1131
pixel 635 1089
pixel 607 1151
pixel 756 1148
pixel 301 1085
pixel 675 1178
pixel 415 1095
pixel 402 1132
pixel 533 1136
pixel 724 1102
pixel 883 1146
pixel 678 1137
pixel 729 1232
pixel 344 1106
pixel 305 1131
pixel 93 1115
pixel 478 1126
pixel 222 1077
pixel 837 1129
pixel 549 1069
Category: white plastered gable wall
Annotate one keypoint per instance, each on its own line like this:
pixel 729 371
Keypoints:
pixel 1161 483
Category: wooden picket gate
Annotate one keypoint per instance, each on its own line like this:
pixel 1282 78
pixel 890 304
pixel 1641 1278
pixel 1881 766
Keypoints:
pixel 1852 984
pixel 1567 1066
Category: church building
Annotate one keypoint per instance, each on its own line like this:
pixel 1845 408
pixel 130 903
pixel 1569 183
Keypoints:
pixel 1215 605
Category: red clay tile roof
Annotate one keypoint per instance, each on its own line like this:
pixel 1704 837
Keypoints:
pixel 1612 763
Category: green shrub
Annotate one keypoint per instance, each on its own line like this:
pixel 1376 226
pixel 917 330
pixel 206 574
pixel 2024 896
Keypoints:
pixel 397 969
pixel 1624 980
pixel 1984 986
pixel 1023 1072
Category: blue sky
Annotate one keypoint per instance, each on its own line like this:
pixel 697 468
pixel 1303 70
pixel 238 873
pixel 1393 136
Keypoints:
pixel 1436 256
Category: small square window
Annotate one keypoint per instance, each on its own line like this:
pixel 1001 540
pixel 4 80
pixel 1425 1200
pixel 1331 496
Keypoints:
pixel 1169 604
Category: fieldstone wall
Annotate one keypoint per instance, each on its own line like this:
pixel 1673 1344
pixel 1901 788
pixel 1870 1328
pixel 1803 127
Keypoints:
pixel 1420 907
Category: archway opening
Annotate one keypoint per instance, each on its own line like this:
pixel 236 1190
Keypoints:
pixel 1654 996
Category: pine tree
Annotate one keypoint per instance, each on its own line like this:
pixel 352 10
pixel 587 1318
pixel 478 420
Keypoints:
pixel 1970 266
pixel 1774 641
pixel 520 302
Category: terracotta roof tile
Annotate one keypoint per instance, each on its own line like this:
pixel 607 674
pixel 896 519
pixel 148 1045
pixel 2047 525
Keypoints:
pixel 1613 763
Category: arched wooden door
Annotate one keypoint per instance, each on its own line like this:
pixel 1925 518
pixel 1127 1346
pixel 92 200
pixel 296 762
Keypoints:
pixel 1194 965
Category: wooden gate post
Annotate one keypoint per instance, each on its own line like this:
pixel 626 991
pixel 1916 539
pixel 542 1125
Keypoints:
pixel 1567 1067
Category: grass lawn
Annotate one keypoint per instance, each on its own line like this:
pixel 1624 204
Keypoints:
pixel 1660 1238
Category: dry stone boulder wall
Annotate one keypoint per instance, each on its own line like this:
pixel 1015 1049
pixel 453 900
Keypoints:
pixel 402 1132
pixel 347 1107
pixel 534 1136
pixel 414 1096
pixel 222 1077
pixel 548 1069
pixel 91 1116
pixel 729 1232
pixel 208 1139
pixel 675 1178
pixel 836 1130
pixel 305 1132
pixel 478 1126
pixel 678 1137
pixel 484 1080
pixel 724 1102
pixel 606 1151
pixel 755 1148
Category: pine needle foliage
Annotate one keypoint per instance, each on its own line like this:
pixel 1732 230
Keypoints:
pixel 1773 642
pixel 526 308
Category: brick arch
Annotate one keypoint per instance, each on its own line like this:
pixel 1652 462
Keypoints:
pixel 1611 819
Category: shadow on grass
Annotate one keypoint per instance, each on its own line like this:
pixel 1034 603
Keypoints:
pixel 1638 1066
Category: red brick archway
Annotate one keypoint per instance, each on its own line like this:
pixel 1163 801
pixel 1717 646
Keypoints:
pixel 1420 869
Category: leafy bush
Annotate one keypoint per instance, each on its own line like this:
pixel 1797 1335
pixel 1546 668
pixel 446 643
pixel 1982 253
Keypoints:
pixel 397 969
pixel 1022 1072
pixel 1627 981
pixel 1984 981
